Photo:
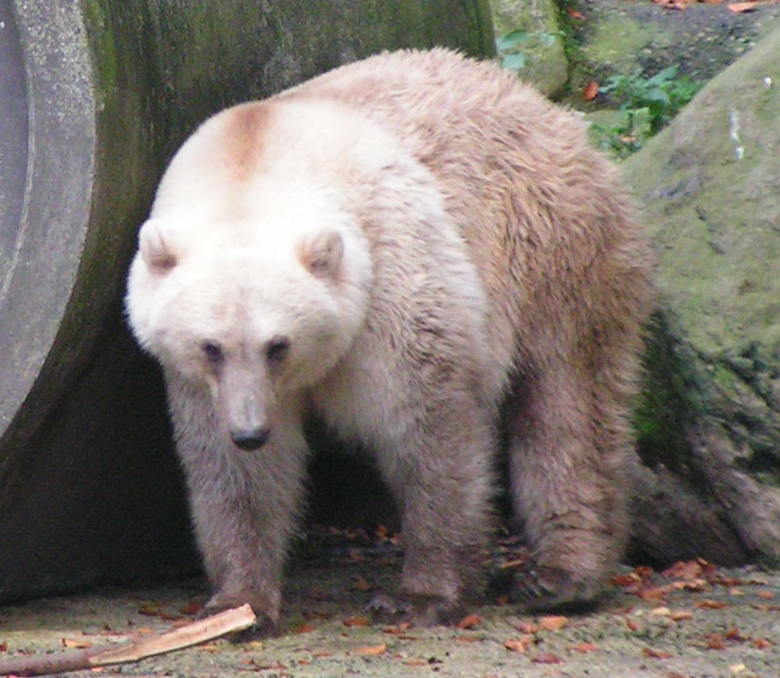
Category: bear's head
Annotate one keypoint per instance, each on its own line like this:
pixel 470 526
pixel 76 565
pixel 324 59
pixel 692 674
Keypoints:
pixel 252 310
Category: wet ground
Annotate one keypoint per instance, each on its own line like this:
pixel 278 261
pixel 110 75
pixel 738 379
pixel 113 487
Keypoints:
pixel 692 621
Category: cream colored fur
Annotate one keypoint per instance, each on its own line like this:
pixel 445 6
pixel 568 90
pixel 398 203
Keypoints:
pixel 449 264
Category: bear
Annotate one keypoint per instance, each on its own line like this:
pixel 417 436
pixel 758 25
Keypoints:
pixel 427 255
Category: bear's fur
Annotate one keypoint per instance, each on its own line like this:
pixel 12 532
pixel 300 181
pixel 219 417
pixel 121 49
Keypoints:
pixel 425 253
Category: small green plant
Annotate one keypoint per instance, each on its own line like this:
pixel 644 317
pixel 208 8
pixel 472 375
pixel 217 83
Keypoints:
pixel 512 48
pixel 647 104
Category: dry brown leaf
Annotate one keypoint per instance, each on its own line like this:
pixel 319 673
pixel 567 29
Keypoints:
pixel 73 643
pixel 585 647
pixel 547 658
pixel 591 91
pixel 516 645
pixel 469 621
pixel 304 628
pixel 527 627
pixel 632 624
pixel 708 604
pixel 680 615
pixel 357 621
pixel 553 622
pixel 656 654
pixel 765 594
pixel 362 585
pixel 761 643
pixel 741 7
pixel 715 641
pixel 574 14
pixel 372 650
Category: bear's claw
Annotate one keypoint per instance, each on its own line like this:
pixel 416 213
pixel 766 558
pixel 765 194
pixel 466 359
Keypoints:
pixel 549 588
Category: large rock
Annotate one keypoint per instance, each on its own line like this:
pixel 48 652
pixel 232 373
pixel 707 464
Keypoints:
pixel 94 97
pixel 709 419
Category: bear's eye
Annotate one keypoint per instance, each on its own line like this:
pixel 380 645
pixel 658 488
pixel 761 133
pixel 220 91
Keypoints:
pixel 213 351
pixel 276 349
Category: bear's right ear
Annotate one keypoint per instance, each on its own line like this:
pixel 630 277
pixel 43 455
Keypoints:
pixel 156 252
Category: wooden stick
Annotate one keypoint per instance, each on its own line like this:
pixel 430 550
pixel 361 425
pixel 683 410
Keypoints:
pixel 235 619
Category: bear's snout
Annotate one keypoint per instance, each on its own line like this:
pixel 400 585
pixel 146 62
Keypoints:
pixel 251 439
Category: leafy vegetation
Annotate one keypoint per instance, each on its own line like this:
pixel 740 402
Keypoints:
pixel 646 106
pixel 513 47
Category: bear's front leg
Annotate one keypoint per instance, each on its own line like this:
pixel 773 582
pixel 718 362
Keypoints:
pixel 244 507
pixel 442 476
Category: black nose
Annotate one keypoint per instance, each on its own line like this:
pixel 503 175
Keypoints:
pixel 251 439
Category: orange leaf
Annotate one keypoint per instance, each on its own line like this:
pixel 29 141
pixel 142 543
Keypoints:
pixel 766 594
pixel 553 623
pixel 585 647
pixel 708 604
pixel 591 91
pixel 527 627
pixel 547 658
pixel 73 643
pixel 632 624
pixel 469 621
pixel 356 621
pixel 656 654
pixel 516 645
pixel 372 650
pixel 740 7
pixel 679 615
pixel 304 628
pixel 762 643
pixel 574 14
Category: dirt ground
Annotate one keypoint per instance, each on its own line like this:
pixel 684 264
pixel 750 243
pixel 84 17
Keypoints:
pixel 692 621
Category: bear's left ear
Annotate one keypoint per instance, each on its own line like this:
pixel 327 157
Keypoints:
pixel 321 253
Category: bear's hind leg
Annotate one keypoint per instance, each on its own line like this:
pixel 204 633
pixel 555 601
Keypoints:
pixel 567 452
pixel 443 479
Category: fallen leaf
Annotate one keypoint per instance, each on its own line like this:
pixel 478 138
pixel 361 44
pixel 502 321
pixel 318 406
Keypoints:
pixel 398 628
pixel 690 569
pixel 73 643
pixel 516 645
pixel 737 668
pixel 765 594
pixel 304 628
pixel 655 593
pixel 656 654
pixel 362 585
pixel 585 647
pixel 591 91
pixel 715 641
pixel 632 624
pixel 193 607
pixel 357 621
pixel 740 7
pixel 3 647
pixel 761 643
pixel 680 615
pixel 553 622
pixel 372 650
pixel 547 658
pixel 415 662
pixel 469 621
pixel 736 592
pixel 708 604
pixel 734 634
pixel 574 14
pixel 661 612
pixel 321 654
pixel 527 627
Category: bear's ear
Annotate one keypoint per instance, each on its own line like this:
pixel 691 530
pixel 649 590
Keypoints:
pixel 155 251
pixel 321 253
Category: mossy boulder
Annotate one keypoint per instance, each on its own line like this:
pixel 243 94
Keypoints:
pixel 709 417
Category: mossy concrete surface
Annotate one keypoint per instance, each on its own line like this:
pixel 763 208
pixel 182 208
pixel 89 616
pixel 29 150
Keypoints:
pixel 709 191
pixel 89 488
pixel 546 65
